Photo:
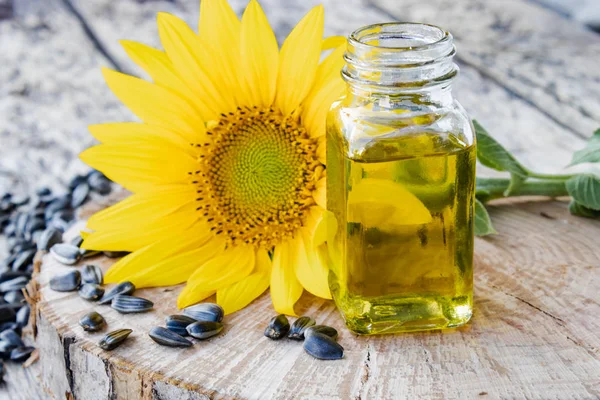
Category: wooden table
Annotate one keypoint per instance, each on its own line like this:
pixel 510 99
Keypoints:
pixel 528 75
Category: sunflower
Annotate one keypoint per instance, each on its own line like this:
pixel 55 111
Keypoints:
pixel 227 166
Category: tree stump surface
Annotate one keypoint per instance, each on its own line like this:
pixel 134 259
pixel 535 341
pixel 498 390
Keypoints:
pixel 533 334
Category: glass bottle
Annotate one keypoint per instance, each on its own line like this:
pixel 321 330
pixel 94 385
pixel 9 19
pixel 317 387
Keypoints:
pixel 400 183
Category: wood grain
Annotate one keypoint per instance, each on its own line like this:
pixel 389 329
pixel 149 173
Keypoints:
pixel 533 334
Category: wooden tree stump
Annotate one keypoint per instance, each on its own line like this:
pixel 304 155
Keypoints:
pixel 534 334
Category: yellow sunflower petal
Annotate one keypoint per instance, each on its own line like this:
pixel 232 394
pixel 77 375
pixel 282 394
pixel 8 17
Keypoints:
pixel 155 104
pixel 178 268
pixel 157 64
pixel 310 271
pixel 163 249
pixel 143 167
pixel 316 107
pixel 233 265
pixel 321 226
pixel 143 233
pixel 329 69
pixel 237 296
pixel 322 150
pixel 219 30
pixel 144 207
pixel 188 56
pixel 134 132
pixel 285 287
pixel 298 61
pixel 259 55
pixel 333 42
pixel 320 193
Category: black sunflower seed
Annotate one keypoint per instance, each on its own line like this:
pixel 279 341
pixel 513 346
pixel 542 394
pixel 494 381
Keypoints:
pixel 92 322
pixel 204 329
pixel 205 312
pixel 122 288
pixel 17 283
pixel 126 304
pixel 14 296
pixel 299 326
pixel 49 238
pixel 278 327
pixel 178 323
pixel 22 318
pixel 115 254
pixel 167 337
pixel 323 347
pixel 65 253
pixel 114 339
pixel 91 274
pixel 77 240
pixel 80 194
pixel 23 260
pixel 21 353
pixel 91 291
pixel 99 183
pixel 66 282
pixel 323 329
pixel 12 337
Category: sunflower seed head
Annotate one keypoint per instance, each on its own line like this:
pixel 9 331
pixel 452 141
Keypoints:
pixel 204 329
pixel 167 337
pixel 113 339
pixel 126 304
pixel 92 322
pixel 278 327
pixel 122 288
pixel 323 347
pixel 299 326
pixel 205 312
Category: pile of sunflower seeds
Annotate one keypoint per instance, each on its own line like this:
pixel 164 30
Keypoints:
pixel 32 223
pixel 319 340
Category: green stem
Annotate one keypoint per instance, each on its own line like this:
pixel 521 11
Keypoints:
pixel 552 177
pixel 494 188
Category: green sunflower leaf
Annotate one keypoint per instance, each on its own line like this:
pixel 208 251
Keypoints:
pixel 491 154
pixel 483 223
pixel 590 153
pixel 585 190
pixel 581 211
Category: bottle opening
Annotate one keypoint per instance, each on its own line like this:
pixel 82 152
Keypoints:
pixel 399 55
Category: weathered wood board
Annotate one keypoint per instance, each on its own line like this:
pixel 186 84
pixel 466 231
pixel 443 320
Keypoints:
pixel 533 334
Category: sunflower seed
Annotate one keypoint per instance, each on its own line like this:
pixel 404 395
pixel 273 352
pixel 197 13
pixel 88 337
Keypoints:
pixel 299 326
pixel 167 337
pixel 21 353
pixel 131 304
pixel 43 191
pixel 22 317
pixel 204 329
pixel 77 240
pixel 115 254
pixel 205 312
pixel 323 329
pixel 13 326
pixel 22 245
pixel 19 201
pixel 14 296
pixel 7 312
pixel 80 195
pixel 5 349
pixel 323 347
pixel 12 337
pixel 67 282
pixel 92 322
pixel 91 274
pixel 65 253
pixel 178 323
pixel 113 339
pixel 17 283
pixel 99 183
pixel 91 291
pixel 21 224
pixel 49 238
pixel 278 327
pixel 23 260
pixel 85 253
pixel 8 275
pixel 122 288
pixel 76 181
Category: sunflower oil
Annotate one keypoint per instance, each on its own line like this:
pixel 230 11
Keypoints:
pixel 402 255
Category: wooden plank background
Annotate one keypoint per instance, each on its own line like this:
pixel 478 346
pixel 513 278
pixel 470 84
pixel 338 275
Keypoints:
pixel 528 74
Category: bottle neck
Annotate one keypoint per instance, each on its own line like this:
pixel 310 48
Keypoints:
pixel 399 63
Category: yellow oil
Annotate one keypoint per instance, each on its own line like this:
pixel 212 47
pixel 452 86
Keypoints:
pixel 401 255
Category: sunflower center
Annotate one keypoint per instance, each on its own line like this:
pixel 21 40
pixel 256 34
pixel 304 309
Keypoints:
pixel 257 176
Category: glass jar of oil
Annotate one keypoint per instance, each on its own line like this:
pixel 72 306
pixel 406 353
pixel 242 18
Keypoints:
pixel 400 183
